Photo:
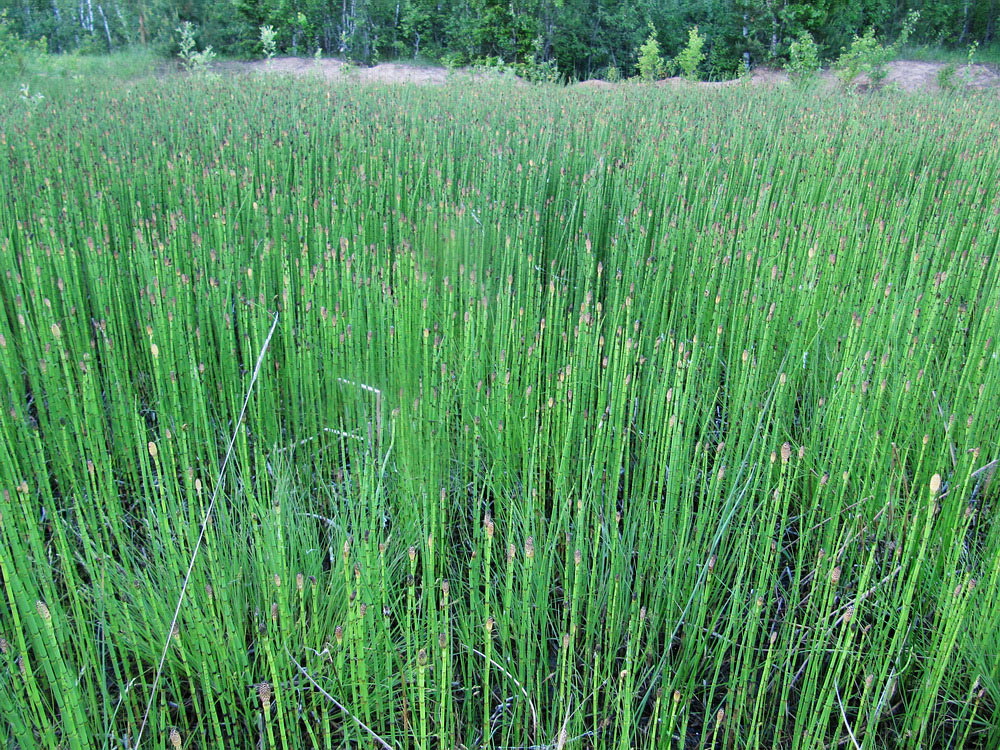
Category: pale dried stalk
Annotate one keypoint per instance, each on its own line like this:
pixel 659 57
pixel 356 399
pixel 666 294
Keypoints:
pixel 201 533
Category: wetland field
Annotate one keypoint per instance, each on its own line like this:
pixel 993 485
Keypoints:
pixel 489 415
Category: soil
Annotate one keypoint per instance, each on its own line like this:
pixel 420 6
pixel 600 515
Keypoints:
pixel 906 74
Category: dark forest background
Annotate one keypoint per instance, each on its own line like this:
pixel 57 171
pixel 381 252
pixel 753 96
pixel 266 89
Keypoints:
pixel 583 38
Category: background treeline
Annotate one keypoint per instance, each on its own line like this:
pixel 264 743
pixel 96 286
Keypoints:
pixel 583 38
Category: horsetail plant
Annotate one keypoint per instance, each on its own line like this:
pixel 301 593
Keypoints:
pixel 566 437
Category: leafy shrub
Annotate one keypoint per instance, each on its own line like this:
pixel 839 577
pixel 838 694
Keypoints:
pixel 538 68
pixel 651 66
pixel 947 78
pixel 869 57
pixel 493 65
pixel 453 60
pixel 267 41
pixel 865 57
pixel 950 79
pixel 15 52
pixel 539 71
pixel 689 58
pixel 191 59
pixel 803 64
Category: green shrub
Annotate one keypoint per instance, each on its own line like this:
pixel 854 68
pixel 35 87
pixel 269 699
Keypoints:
pixel 453 60
pixel 651 66
pixel 538 68
pixel 192 60
pixel 803 64
pixel 865 57
pixel 493 64
pixel 689 58
pixel 15 52
pixel 947 78
pixel 267 41
pixel 950 79
pixel 869 57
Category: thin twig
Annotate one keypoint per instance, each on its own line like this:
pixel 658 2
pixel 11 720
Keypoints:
pixel 861 597
pixel 563 734
pixel 328 521
pixel 204 526
pixel 991 465
pixel 843 713
pixel 339 705
pixel 303 441
pixel 378 408
pixel 534 714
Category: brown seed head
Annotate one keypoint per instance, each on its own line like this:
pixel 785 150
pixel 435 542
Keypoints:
pixel 264 693
pixel 935 484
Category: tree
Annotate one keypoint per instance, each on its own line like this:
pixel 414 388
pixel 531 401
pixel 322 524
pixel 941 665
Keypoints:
pixel 651 65
pixel 689 58
pixel 505 29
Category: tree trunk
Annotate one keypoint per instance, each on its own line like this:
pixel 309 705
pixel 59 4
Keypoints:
pixel 965 22
pixel 107 31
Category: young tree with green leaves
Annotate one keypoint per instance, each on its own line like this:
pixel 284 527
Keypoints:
pixel 651 65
